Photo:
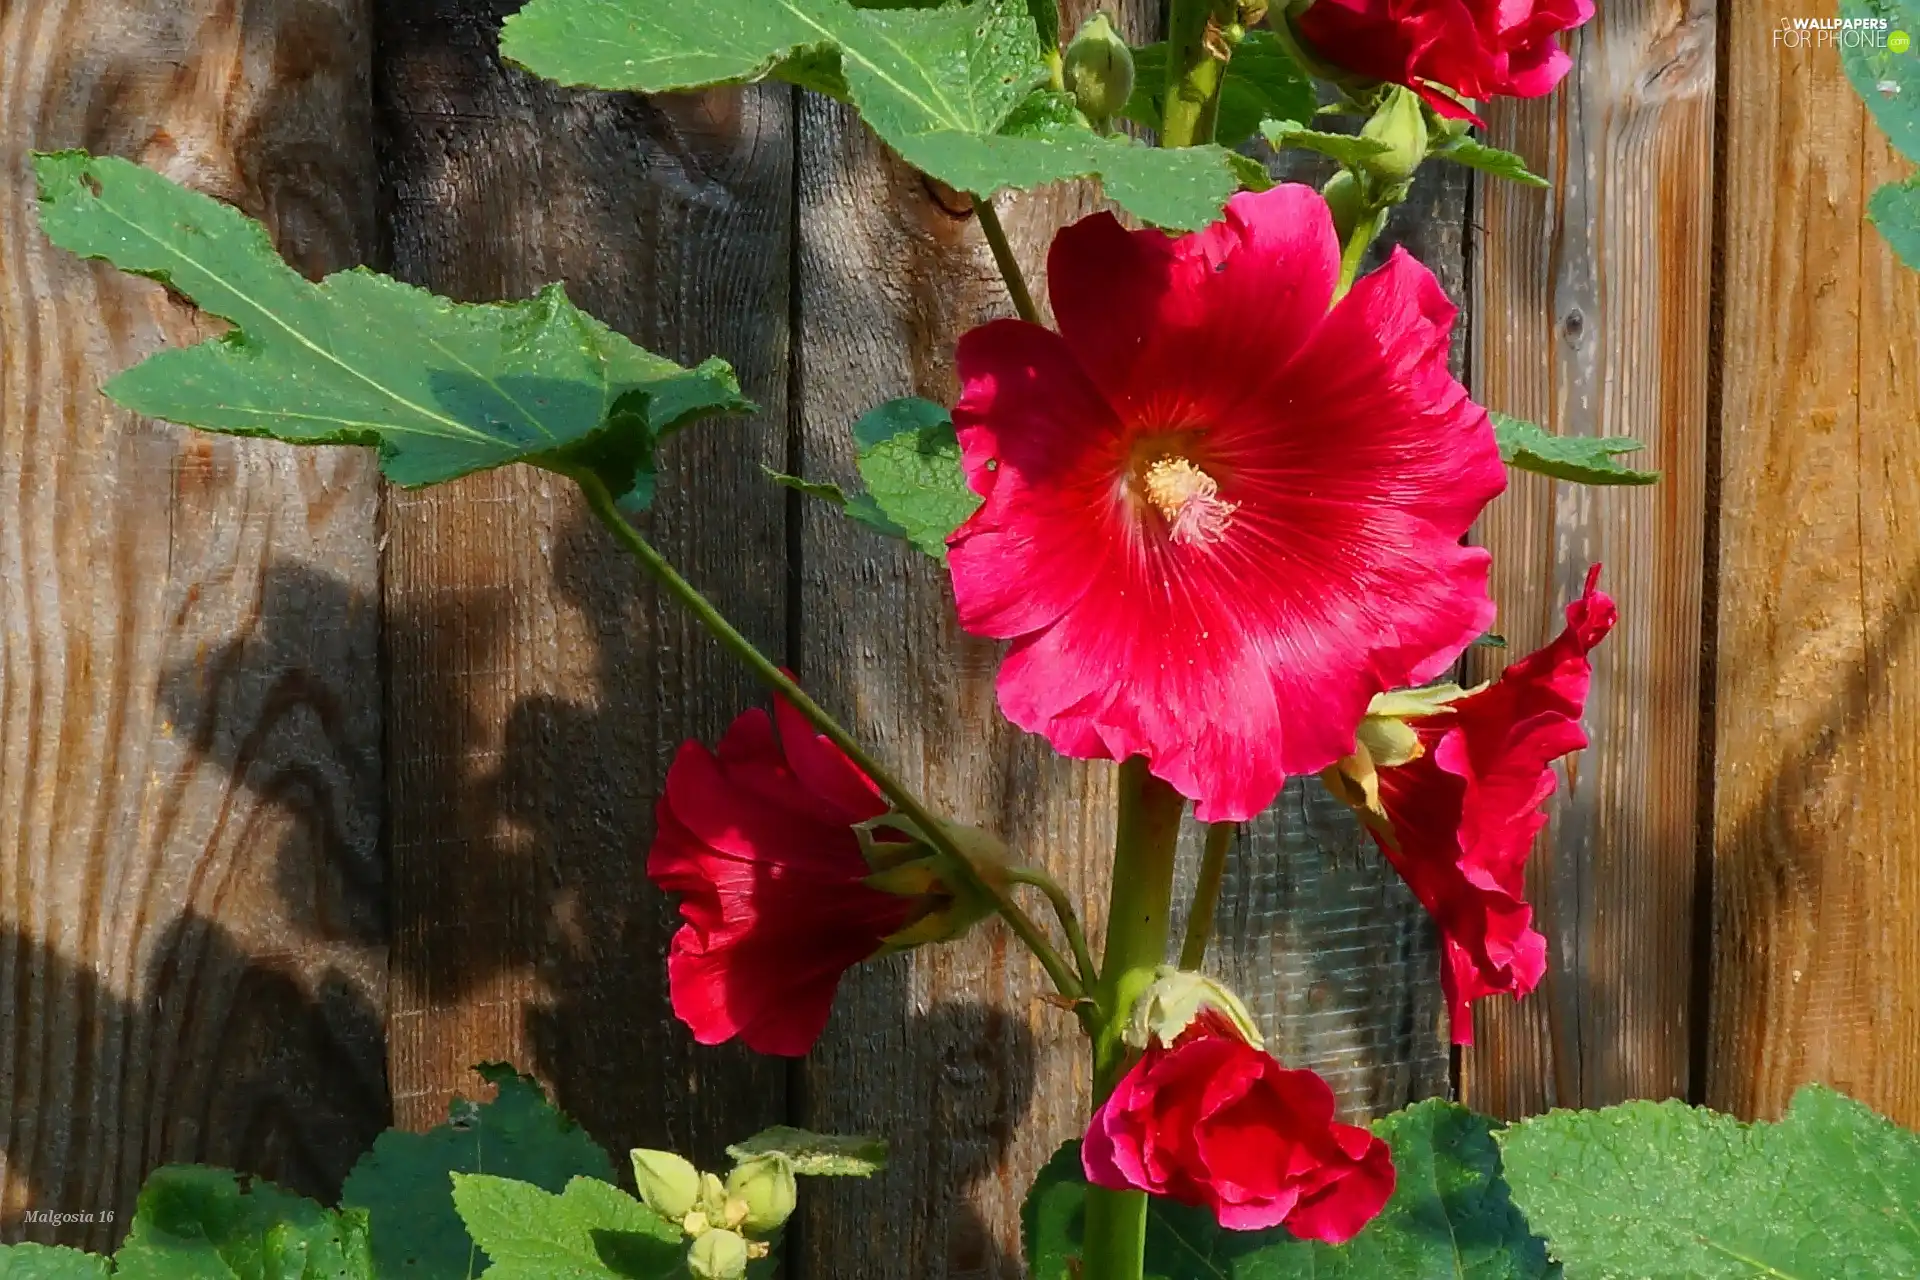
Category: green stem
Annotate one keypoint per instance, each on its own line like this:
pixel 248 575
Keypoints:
pixel 1004 259
pixel 1194 72
pixel 1063 910
pixel 1355 251
pixel 1206 894
pixel 1138 920
pixel 600 500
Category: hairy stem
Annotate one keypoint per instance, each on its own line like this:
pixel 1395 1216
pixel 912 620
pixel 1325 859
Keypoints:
pixel 601 501
pixel 1004 259
pixel 1196 67
pixel 1063 910
pixel 1206 894
pixel 1138 921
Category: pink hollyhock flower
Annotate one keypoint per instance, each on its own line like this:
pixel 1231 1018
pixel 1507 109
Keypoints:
pixel 1464 812
pixel 758 839
pixel 1220 516
pixel 1214 1122
pixel 1478 49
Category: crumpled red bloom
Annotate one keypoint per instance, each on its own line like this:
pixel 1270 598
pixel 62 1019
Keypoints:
pixel 1477 48
pixel 757 838
pixel 1219 516
pixel 1214 1122
pixel 1465 813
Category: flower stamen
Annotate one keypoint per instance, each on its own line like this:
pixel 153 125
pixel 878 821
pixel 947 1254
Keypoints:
pixel 1188 499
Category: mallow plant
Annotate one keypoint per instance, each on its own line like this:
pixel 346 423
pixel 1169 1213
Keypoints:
pixel 1215 507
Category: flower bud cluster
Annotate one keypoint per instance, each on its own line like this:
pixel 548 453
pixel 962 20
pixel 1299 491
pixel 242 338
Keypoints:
pixel 727 1222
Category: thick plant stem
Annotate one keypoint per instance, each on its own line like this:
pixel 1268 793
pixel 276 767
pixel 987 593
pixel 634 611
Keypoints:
pixel 1195 69
pixel 1206 894
pixel 600 500
pixel 1004 259
pixel 1355 250
pixel 1138 921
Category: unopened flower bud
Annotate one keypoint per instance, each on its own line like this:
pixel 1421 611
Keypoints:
pixel 765 1184
pixel 1175 999
pixel 1345 202
pixel 1098 70
pixel 718 1255
pixel 669 1184
pixel 1401 125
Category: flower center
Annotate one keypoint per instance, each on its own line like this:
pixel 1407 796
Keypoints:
pixel 1188 499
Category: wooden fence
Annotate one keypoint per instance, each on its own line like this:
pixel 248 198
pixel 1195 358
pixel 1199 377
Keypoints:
pixel 313 793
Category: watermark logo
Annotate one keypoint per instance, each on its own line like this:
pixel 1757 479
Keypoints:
pixel 1840 33
pixel 59 1218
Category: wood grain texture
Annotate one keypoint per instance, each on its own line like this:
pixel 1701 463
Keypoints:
pixel 538 686
pixel 1816 880
pixel 950 1053
pixel 193 937
pixel 1591 318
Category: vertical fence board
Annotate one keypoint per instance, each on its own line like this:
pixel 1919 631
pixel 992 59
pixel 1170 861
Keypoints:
pixel 189 717
pixel 950 1053
pixel 538 685
pixel 1815 880
pixel 1591 318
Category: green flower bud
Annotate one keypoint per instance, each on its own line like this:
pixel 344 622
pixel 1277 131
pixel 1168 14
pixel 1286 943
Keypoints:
pixel 1402 125
pixel 718 1255
pixel 1099 70
pixel 1345 202
pixel 765 1183
pixel 669 1184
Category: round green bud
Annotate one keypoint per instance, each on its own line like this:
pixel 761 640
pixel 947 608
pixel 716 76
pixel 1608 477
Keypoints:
pixel 669 1184
pixel 1345 202
pixel 766 1184
pixel 718 1255
pixel 1401 125
pixel 1098 70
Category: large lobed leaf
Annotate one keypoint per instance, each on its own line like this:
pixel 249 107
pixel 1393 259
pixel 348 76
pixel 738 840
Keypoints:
pixel 1664 1191
pixel 405 1183
pixel 1450 1219
pixel 960 90
pixel 443 389
pixel 195 1223
pixel 51 1262
pixel 591 1230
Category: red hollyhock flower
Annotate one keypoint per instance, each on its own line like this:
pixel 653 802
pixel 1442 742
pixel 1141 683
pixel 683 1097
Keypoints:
pixel 1476 48
pixel 1214 1122
pixel 1465 812
pixel 1219 517
pixel 758 839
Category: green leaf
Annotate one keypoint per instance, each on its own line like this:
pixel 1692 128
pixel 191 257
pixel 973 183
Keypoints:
pixel 858 507
pixel 1263 82
pixel 1888 82
pixel 1581 459
pixel 1664 1191
pixel 1450 1216
pixel 1349 149
pixel 910 459
pixel 959 91
pixel 405 1187
pixel 1501 164
pixel 443 389
pixel 590 1231
pixel 827 1155
pixel 51 1262
pixel 198 1222
pixel 1895 209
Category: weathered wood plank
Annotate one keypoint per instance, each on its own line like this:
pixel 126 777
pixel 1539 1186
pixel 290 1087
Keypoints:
pixel 193 934
pixel 950 1053
pixel 1815 880
pixel 1591 318
pixel 538 684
